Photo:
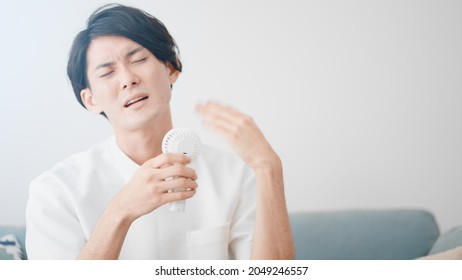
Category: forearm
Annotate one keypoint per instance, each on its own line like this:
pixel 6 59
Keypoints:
pixel 145 192
pixel 272 237
pixel 107 238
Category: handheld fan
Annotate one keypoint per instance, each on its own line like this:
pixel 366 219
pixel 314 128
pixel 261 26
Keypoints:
pixel 182 141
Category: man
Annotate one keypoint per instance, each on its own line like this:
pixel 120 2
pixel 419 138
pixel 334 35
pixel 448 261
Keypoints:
pixel 111 201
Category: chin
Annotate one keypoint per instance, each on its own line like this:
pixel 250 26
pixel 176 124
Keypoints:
pixel 149 120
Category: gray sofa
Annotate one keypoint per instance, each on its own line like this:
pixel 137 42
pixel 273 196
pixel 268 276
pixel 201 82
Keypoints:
pixel 356 234
pixel 370 235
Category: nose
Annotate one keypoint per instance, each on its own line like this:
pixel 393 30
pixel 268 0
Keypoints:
pixel 128 79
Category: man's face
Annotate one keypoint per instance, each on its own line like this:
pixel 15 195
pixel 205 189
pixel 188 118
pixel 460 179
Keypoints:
pixel 127 82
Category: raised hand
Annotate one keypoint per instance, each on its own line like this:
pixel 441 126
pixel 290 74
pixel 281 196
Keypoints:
pixel 241 132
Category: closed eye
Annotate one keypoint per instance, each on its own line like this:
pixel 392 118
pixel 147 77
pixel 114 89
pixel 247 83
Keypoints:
pixel 140 60
pixel 106 74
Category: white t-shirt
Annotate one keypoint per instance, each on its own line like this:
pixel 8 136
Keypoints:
pixel 66 202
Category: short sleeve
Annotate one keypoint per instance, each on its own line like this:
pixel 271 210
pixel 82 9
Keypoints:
pixel 53 229
pixel 243 223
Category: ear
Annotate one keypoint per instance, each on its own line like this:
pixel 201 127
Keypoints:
pixel 173 74
pixel 89 101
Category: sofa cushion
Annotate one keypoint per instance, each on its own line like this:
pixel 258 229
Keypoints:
pixel 10 249
pixel 448 240
pixel 19 233
pixel 363 234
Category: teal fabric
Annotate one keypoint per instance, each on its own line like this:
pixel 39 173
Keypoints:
pixel 447 241
pixel 364 234
pixel 4 255
pixel 19 232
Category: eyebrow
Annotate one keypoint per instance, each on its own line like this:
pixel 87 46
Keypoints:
pixel 128 55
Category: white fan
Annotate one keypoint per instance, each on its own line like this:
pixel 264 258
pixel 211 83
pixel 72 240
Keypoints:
pixel 183 141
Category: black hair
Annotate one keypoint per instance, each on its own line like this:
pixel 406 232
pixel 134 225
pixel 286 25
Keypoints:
pixel 120 20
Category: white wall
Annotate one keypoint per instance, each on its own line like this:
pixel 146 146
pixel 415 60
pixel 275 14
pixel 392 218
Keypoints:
pixel 362 99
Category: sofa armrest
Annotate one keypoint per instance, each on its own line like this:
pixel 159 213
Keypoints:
pixel 447 241
pixel 19 232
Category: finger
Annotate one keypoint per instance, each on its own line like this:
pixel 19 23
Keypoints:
pixel 228 122
pixel 176 196
pixel 233 130
pixel 176 184
pixel 166 159
pixel 176 170
pixel 216 110
pixel 222 127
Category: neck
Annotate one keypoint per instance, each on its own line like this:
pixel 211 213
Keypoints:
pixel 145 143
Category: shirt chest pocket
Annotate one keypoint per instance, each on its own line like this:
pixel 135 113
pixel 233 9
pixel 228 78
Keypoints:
pixel 209 243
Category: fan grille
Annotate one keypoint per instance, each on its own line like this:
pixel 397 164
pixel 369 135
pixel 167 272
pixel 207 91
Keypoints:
pixel 181 140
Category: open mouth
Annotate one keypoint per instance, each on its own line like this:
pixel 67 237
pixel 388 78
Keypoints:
pixel 131 102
